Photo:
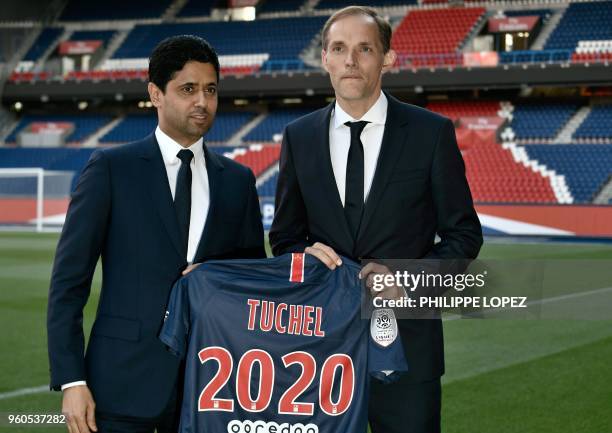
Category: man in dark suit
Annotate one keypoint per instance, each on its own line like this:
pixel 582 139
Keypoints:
pixel 149 209
pixel 371 177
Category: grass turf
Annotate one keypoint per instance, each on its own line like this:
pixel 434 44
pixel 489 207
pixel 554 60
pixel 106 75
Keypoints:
pixel 502 375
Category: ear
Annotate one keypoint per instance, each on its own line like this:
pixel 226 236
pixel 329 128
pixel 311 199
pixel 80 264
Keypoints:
pixel 389 60
pixel 324 59
pixel 155 94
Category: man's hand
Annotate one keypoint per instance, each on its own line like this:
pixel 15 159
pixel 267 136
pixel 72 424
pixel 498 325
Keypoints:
pixel 79 408
pixel 324 253
pixel 389 292
pixel 190 268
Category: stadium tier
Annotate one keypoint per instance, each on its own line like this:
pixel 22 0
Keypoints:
pixel 270 6
pixel 258 157
pixel 337 4
pixel 420 41
pixel 196 8
pixel 45 39
pixel 113 10
pixel 454 110
pixel 273 124
pixel 597 125
pixel 586 167
pixel 539 121
pixel 84 125
pixel 274 44
pixel 93 35
pixel 582 22
pixel 268 187
pixel 137 126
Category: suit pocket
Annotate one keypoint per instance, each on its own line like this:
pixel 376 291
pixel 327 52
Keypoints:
pixel 117 327
pixel 408 175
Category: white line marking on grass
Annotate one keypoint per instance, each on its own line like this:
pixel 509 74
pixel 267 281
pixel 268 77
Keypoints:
pixel 24 391
pixel 451 317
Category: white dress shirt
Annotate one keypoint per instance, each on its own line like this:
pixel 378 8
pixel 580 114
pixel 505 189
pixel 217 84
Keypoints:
pixel 200 193
pixel 371 137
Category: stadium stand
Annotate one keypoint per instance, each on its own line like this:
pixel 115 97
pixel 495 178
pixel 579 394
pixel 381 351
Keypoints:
pixel 540 121
pixel 137 126
pixel 597 125
pixel 337 4
pixel 84 125
pixel 419 41
pixel 113 10
pixel 271 6
pixel 131 128
pixel 257 157
pixel 454 110
pixel 275 44
pixel 268 187
pixel 93 35
pixel 45 39
pixel 586 167
pixel 582 22
pixel 196 8
pixel 274 124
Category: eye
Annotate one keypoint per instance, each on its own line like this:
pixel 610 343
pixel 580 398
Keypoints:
pixel 212 90
pixel 366 49
pixel 337 49
pixel 188 89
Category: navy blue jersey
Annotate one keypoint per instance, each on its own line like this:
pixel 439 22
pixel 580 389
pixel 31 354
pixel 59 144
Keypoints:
pixel 274 345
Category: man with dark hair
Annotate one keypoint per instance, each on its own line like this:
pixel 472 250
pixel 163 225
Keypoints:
pixel 150 209
pixel 372 177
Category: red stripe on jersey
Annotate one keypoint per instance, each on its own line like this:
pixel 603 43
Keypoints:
pixel 297 268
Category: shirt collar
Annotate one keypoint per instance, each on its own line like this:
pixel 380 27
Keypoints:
pixel 377 114
pixel 170 148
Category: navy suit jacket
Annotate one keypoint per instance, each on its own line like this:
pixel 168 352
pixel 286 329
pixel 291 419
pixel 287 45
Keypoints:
pixel 122 210
pixel 419 189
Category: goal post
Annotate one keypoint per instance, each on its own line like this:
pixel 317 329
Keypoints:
pixel 34 198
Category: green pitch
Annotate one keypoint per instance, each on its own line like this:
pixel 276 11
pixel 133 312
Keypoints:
pixel 502 375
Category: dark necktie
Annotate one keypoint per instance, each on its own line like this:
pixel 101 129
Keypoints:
pixel 353 195
pixel 182 195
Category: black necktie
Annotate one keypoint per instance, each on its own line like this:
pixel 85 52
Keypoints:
pixel 182 195
pixel 353 196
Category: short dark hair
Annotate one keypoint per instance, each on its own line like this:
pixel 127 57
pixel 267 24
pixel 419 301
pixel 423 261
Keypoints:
pixel 171 54
pixel 384 28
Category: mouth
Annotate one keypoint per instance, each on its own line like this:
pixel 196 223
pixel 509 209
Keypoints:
pixel 351 77
pixel 199 117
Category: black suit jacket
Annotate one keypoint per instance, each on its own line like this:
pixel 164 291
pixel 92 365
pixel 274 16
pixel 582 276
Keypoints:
pixel 419 189
pixel 122 210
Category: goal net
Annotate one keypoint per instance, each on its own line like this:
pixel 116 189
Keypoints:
pixel 34 198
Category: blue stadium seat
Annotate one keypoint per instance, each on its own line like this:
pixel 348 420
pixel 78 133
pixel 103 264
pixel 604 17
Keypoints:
pixel 337 4
pixel 540 121
pixel 268 188
pixel 137 126
pixel 274 123
pixel 48 36
pixel 279 5
pixel 582 22
pixel 586 167
pixel 84 125
pixel 78 10
pixel 196 8
pixel 598 124
pixel 282 39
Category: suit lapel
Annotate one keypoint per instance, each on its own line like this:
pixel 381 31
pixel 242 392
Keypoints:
pixel 214 168
pixel 159 191
pixel 329 188
pixel 391 147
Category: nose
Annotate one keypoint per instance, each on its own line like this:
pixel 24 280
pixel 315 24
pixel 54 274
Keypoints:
pixel 351 58
pixel 201 99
